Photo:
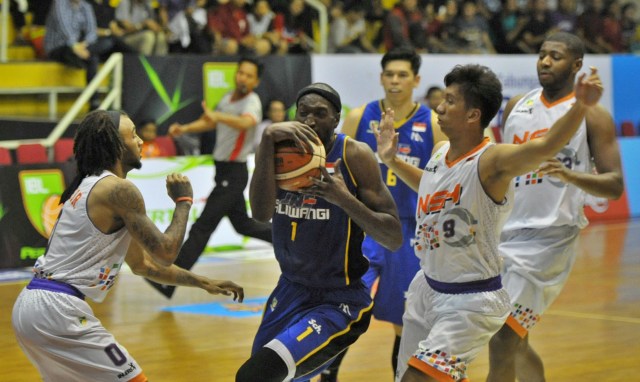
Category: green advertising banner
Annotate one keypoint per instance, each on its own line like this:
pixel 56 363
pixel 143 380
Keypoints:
pixel 41 190
pixel 170 89
pixel 30 195
pixel 218 79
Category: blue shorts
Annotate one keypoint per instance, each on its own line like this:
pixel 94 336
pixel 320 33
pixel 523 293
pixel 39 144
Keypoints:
pixel 395 271
pixel 308 327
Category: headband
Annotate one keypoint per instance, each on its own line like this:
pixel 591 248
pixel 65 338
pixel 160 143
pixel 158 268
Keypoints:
pixel 115 118
pixel 330 96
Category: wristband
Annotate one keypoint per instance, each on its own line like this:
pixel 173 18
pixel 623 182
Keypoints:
pixel 184 199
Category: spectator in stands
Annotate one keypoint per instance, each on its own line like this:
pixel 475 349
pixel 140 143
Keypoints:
pixel 537 29
pixel 30 32
pixel 507 27
pixel 183 20
pixel 17 10
pixel 276 112
pixel 348 31
pixel 403 27
pixel 441 30
pixel 565 17
pixel 229 25
pixel 448 38
pixel 71 36
pixel 473 30
pixel 375 17
pixel 295 26
pixel 612 28
pixel 148 131
pixel 261 24
pixel 590 26
pixel 629 26
pixel 261 17
pixel 433 97
pixel 142 30
pixel 488 8
pixel 109 31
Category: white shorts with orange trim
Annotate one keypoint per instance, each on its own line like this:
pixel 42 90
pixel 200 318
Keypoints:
pixel 537 263
pixel 66 342
pixel 442 333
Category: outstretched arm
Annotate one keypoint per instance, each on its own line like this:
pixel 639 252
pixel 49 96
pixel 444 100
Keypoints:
pixel 501 163
pixel 240 122
pixel 387 140
pixel 608 181
pixel 206 122
pixel 244 119
pixel 142 264
pixel 126 202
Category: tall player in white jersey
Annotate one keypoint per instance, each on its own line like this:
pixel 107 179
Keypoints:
pixel 538 242
pixel 103 223
pixel 456 301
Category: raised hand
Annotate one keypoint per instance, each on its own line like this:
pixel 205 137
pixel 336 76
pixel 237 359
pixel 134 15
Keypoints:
pixel 589 89
pixel 178 186
pixel 175 130
pixel 80 49
pixel 295 131
pixel 386 137
pixel 554 167
pixel 331 188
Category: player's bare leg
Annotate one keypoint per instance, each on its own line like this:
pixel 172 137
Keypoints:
pixel 511 356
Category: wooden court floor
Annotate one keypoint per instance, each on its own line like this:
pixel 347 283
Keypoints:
pixel 591 333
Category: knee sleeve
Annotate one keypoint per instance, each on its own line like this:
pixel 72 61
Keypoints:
pixel 266 365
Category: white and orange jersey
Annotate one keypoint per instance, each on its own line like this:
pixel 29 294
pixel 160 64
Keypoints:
pixel 458 224
pixel 78 253
pixel 545 201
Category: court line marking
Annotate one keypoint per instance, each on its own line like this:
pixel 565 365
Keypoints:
pixel 593 316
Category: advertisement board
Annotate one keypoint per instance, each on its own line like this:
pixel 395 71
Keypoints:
pixel 29 197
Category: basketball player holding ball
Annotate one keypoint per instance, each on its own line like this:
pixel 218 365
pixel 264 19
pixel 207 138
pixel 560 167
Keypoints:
pixel 320 305
pixel 296 167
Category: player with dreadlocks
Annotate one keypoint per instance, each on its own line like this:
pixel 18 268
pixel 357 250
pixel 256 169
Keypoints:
pixel 103 223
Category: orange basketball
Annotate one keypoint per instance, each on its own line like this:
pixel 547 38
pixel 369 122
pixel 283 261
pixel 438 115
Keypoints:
pixel 294 166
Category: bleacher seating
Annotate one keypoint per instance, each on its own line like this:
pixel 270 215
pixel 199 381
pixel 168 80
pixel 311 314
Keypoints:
pixel 24 83
pixel 30 153
pixel 63 150
pixel 5 157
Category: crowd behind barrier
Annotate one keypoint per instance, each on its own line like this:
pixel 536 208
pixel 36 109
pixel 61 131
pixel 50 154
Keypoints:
pixel 262 27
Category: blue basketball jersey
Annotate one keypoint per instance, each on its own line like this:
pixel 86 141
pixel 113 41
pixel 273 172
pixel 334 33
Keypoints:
pixel 315 242
pixel 415 144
